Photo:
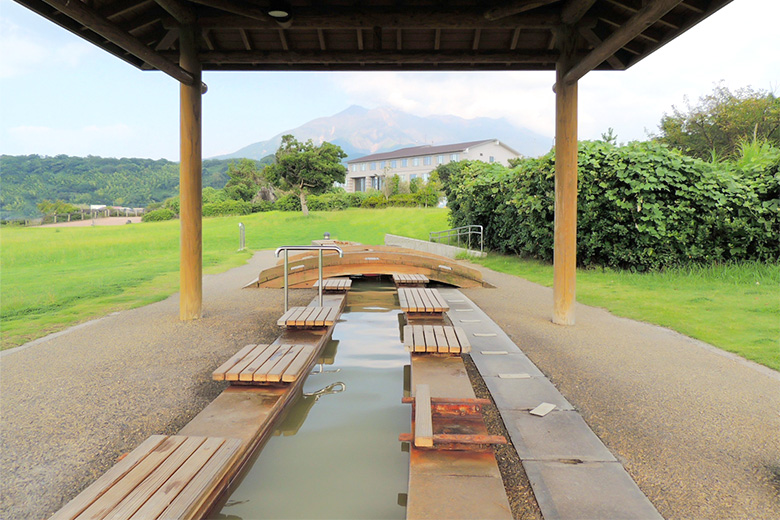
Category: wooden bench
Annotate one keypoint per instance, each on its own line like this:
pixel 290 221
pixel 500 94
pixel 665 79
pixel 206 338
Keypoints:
pixel 265 364
pixel 165 477
pixel 438 339
pixel 334 284
pixel 410 280
pixel 309 317
pixel 418 300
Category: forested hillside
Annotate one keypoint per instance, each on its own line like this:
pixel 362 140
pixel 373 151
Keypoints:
pixel 30 179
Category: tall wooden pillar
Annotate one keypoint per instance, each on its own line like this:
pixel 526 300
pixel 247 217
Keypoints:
pixel 565 255
pixel 190 182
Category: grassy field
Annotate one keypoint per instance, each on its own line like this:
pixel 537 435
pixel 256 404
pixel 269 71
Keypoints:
pixel 52 278
pixel 734 307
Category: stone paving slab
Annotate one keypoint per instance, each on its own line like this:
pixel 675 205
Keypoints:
pixel 431 503
pixel 557 436
pixel 587 490
pixel 524 394
pixel 572 474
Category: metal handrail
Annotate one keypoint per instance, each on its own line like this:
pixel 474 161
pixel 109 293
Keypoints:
pixel 473 229
pixel 320 249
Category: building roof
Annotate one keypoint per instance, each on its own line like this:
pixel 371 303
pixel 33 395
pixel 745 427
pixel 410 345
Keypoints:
pixel 427 149
pixel 379 34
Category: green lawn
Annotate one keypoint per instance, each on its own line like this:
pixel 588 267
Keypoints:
pixel 734 307
pixel 52 278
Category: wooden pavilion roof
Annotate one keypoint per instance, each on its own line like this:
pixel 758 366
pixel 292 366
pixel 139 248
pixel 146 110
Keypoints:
pixel 395 35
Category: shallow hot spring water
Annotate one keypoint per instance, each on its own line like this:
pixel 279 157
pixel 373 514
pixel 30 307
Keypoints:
pixel 336 453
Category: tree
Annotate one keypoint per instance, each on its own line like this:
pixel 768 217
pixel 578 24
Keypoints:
pixel 304 168
pixel 245 180
pixel 721 121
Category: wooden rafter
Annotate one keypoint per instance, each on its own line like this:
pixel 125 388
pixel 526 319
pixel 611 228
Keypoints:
pixel 89 18
pixel 121 7
pixel 245 39
pixel 321 37
pixel 283 39
pixel 515 39
pixel 182 12
pixel 515 7
pixel 632 10
pixel 574 10
pixel 593 39
pixel 643 19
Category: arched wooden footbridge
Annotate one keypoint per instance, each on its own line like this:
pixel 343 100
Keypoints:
pixel 370 260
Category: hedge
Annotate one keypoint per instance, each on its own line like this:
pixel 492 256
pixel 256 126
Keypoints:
pixel 640 206
pixel 158 215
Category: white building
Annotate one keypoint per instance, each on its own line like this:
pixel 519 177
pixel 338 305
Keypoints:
pixel 366 172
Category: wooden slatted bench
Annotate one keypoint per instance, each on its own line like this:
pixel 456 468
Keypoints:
pixel 165 477
pixel 419 300
pixel 334 284
pixel 410 280
pixel 265 364
pixel 309 317
pixel 437 339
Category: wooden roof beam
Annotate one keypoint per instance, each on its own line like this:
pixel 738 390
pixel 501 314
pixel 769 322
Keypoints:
pixel 643 19
pixel 182 12
pixel 253 17
pixel 245 39
pixel 121 7
pixel 574 10
pixel 515 7
pixel 592 38
pixel 101 25
pixel 376 57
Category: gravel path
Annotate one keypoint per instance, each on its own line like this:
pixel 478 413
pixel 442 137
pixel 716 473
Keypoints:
pixel 697 429
pixel 72 404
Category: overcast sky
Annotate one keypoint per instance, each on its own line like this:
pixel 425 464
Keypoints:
pixel 61 95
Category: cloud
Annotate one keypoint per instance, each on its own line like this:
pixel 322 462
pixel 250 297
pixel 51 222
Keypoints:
pixel 24 50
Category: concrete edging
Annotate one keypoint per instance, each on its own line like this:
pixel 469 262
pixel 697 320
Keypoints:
pixel 429 247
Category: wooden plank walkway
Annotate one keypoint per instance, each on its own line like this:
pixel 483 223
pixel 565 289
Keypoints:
pixel 309 317
pixel 413 280
pixel 165 477
pixel 418 300
pixel 334 284
pixel 438 339
pixel 264 364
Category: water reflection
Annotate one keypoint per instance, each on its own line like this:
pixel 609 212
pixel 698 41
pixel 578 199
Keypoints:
pixel 336 454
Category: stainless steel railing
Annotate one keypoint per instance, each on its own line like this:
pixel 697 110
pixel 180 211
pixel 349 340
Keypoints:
pixel 457 233
pixel 319 249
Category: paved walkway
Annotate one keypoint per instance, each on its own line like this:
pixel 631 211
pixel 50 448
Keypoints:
pixel 696 428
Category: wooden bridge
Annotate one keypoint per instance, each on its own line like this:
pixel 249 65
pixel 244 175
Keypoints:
pixel 370 260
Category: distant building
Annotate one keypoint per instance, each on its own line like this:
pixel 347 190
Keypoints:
pixel 367 172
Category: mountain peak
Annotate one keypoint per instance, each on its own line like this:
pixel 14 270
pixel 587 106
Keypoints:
pixel 362 131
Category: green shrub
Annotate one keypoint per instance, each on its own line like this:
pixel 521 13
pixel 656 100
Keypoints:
pixel 262 205
pixel 374 201
pixel 227 207
pixel 289 202
pixel 355 200
pixel 158 215
pixel 640 206
pixel 408 200
pixel 327 202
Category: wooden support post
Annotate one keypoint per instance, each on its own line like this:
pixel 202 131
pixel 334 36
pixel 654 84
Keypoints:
pixel 190 274
pixel 565 255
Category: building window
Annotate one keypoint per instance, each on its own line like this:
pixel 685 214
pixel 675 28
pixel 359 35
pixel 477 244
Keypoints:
pixel 491 159
pixel 393 164
pixel 412 177
pixel 362 167
pixel 439 159
pixel 373 166
pixel 426 176
pixel 416 161
pixel 360 184
pixel 354 167
pixel 427 160
pixel 453 157
pixel 404 163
